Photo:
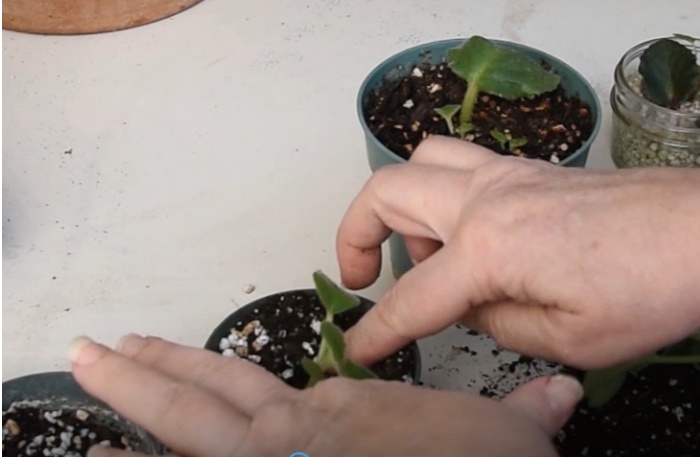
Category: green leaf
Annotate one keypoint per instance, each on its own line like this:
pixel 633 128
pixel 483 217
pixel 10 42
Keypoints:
pixel 601 385
pixel 500 71
pixel 465 128
pixel 313 370
pixel 447 112
pixel 333 297
pixel 352 370
pixel 501 137
pixel 333 336
pixel 670 73
pixel 515 143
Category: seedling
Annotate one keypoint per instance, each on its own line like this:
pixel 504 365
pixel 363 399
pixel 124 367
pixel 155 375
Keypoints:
pixel 601 385
pixel 498 71
pixel 670 72
pixel 447 112
pixel 507 141
pixel 331 354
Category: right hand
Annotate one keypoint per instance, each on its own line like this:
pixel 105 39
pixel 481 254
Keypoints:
pixel 587 268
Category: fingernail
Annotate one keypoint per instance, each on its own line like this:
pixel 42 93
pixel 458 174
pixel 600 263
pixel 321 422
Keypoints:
pixel 130 344
pixel 98 450
pixel 84 351
pixel 563 392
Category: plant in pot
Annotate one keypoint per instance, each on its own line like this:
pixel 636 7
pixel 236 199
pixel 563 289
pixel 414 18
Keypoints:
pixel 49 414
pixel 298 336
pixel 510 98
pixel 656 104
pixel 649 406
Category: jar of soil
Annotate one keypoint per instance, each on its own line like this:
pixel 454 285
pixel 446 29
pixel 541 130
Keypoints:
pixel 646 134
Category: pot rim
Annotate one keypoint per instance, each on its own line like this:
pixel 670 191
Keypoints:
pixel 387 63
pixel 212 343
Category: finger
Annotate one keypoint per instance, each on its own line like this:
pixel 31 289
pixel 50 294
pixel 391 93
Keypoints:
pixel 254 385
pixel 428 298
pixel 547 401
pixel 414 200
pixel 420 249
pixel 452 153
pixel 532 329
pixel 102 451
pixel 187 419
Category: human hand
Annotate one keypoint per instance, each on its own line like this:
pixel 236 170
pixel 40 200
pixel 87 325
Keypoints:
pixel 582 267
pixel 200 404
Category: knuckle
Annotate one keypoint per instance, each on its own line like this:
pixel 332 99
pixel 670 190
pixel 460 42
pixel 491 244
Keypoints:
pixel 177 400
pixel 423 151
pixel 330 393
pixel 390 314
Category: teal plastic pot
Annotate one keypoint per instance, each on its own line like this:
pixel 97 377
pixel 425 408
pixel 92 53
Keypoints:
pixel 401 64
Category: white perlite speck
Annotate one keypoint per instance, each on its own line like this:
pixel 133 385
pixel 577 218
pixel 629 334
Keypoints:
pixel 554 159
pixel 408 104
pixel 288 373
pixel 316 326
pixel 434 87
pixel 307 347
pixel 417 72
pixel 248 289
pixel 224 344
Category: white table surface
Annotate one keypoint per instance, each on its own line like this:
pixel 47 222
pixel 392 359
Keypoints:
pixel 220 148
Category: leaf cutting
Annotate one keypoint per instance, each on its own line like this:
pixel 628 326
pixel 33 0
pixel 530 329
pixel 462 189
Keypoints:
pixel 496 70
pixel 670 73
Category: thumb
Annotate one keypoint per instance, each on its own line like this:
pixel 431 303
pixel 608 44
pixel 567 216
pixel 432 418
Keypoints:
pixel 548 401
pixel 425 300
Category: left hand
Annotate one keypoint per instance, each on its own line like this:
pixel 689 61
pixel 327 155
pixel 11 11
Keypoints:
pixel 200 404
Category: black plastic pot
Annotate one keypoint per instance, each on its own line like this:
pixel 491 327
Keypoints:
pixel 288 300
pixel 58 390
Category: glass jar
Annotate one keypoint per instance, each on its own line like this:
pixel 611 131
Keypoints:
pixel 646 134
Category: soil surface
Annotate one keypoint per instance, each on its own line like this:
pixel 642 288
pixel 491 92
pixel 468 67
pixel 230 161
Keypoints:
pixel 401 114
pixel 37 431
pixel 282 330
pixel 655 414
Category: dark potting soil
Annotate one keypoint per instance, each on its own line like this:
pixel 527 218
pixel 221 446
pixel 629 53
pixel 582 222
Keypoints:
pixel 655 414
pixel 400 113
pixel 34 430
pixel 285 328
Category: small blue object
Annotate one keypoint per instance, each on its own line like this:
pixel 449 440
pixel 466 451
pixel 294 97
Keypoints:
pixel 299 454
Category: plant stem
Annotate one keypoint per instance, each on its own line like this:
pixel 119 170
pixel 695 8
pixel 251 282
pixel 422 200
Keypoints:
pixel 324 359
pixel 465 114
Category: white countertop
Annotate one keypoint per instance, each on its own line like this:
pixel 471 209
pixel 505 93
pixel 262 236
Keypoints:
pixel 149 174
